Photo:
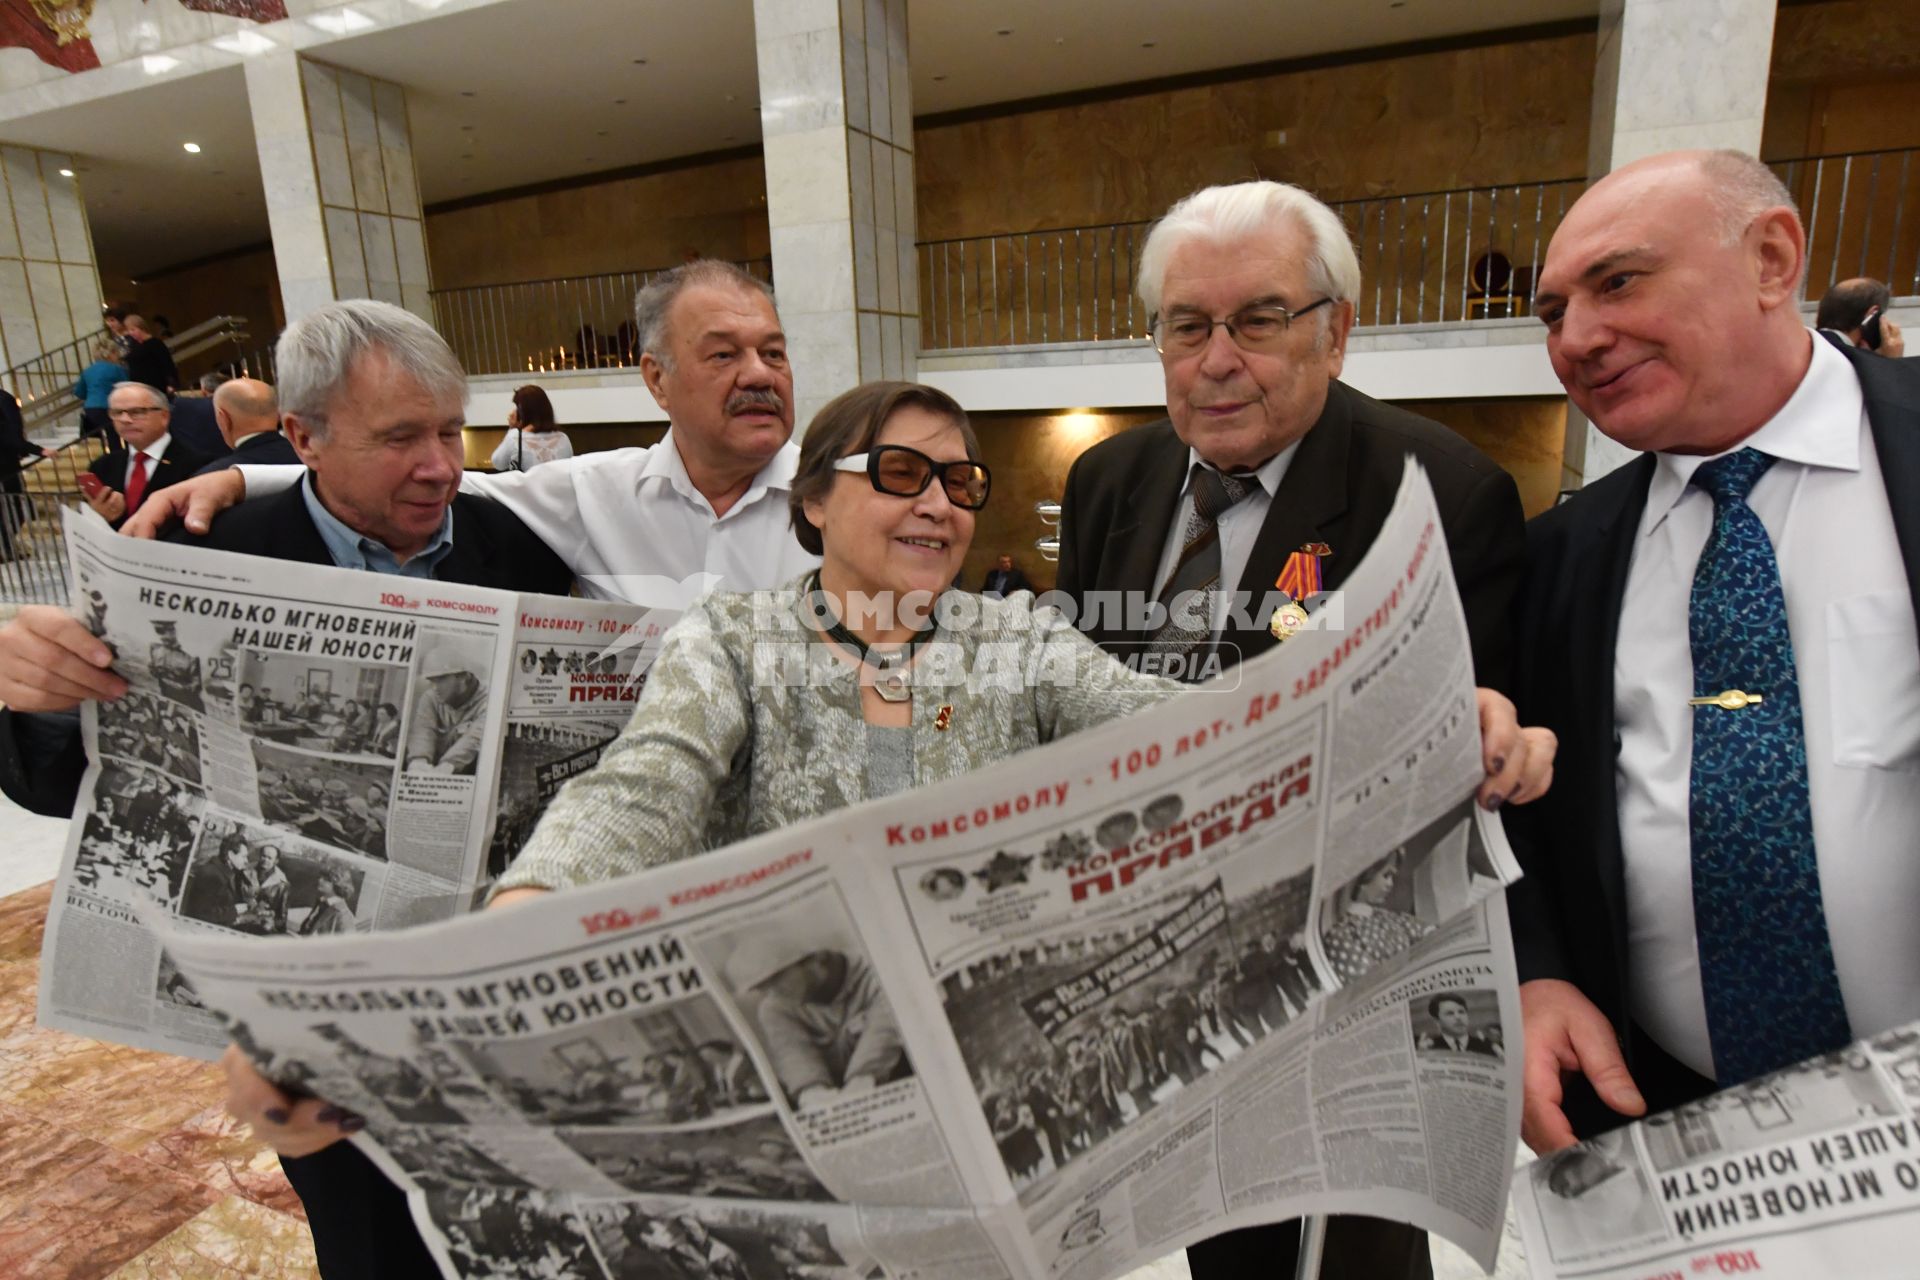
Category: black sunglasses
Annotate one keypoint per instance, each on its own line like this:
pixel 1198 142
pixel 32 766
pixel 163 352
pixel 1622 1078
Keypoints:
pixel 905 473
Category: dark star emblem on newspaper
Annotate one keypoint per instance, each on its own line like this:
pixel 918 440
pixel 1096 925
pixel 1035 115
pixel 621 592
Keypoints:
pixel 1064 850
pixel 1003 870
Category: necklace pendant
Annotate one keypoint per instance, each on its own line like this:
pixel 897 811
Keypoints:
pixel 892 686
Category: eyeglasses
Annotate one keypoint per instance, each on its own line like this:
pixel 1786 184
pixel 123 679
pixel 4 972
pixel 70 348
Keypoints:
pixel 133 413
pixel 905 473
pixel 1258 329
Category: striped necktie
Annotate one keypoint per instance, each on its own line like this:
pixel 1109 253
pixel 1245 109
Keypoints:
pixel 1191 590
pixel 1766 962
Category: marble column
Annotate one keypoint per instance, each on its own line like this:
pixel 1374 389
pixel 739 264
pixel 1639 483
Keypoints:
pixel 49 285
pixel 836 117
pixel 1669 75
pixel 343 201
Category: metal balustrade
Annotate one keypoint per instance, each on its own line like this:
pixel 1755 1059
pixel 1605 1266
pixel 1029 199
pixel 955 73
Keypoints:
pixel 1855 210
pixel 536 326
pixel 1434 257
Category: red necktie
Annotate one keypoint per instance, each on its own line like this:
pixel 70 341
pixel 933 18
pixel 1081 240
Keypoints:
pixel 136 483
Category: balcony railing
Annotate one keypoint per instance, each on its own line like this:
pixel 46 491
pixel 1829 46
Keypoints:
pixel 1452 257
pixel 535 326
pixel 1858 223
pixel 1426 257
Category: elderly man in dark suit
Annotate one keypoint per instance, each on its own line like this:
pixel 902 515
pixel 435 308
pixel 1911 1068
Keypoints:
pixel 153 459
pixel 375 402
pixel 1266 464
pixel 1723 634
pixel 247 413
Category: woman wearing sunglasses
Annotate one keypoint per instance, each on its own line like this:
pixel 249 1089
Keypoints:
pixel 859 680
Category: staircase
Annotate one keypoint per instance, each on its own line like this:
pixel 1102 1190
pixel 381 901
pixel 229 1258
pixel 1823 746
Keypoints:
pixel 33 559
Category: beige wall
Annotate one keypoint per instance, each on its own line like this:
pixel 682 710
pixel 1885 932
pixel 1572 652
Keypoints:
pixel 713 210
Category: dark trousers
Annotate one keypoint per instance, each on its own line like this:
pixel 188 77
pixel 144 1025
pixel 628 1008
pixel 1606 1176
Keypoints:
pixel 362 1227
pixel 1357 1249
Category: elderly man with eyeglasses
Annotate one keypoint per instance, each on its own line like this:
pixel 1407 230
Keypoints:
pixel 153 459
pixel 1267 474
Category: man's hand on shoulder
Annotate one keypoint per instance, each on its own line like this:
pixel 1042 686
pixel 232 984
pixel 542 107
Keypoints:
pixel 49 662
pixel 1565 1033
pixel 194 502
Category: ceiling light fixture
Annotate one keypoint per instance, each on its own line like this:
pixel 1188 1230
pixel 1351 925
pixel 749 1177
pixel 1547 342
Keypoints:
pixel 1004 31
pixel 158 64
pixel 342 22
pixel 66 173
pixel 191 148
pixel 1148 44
pixel 245 43
pixel 466 93
pixel 619 102
pixel 639 62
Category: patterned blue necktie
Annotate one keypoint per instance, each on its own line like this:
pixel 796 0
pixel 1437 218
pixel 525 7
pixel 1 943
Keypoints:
pixel 1766 964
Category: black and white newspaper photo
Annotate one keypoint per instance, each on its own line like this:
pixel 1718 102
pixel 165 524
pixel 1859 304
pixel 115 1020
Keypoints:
pixel 303 752
pixel 1054 1017
pixel 1813 1170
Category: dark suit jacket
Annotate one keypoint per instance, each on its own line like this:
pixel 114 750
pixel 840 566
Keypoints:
pixel 1569 913
pixel 179 462
pixel 1123 493
pixel 13 438
pixel 194 425
pixel 265 449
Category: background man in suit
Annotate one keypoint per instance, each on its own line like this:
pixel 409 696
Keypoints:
pixel 1715 890
pixel 375 402
pixel 248 416
pixel 1250 288
pixel 194 422
pixel 1851 304
pixel 1003 579
pixel 153 459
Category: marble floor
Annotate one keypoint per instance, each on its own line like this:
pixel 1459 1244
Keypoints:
pixel 120 1164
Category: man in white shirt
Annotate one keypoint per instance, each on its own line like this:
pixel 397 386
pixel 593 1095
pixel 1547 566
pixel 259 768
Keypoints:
pixel 1722 634
pixel 705 508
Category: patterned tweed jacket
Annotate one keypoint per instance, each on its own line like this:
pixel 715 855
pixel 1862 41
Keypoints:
pixel 748 723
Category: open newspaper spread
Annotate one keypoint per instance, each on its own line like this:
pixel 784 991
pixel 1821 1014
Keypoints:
pixel 1813 1170
pixel 306 751
pixel 1227 961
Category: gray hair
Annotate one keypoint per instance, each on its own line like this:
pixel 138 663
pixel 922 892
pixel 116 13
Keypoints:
pixel 651 304
pixel 212 382
pixel 155 394
pixel 107 347
pixel 1741 189
pixel 316 355
pixel 1227 213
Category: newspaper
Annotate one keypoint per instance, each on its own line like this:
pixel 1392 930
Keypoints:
pixel 1227 961
pixel 305 751
pixel 1813 1170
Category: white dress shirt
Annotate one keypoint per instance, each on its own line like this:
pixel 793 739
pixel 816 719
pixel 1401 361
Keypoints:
pixel 632 527
pixel 1239 527
pixel 1850 613
pixel 153 453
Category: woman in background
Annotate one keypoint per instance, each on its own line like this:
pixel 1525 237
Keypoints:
pixel 532 436
pixel 97 381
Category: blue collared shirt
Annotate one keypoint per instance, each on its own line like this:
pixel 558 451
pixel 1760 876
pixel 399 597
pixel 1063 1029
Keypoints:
pixel 351 550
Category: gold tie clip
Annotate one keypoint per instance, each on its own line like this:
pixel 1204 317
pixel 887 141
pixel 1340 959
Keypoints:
pixel 1727 700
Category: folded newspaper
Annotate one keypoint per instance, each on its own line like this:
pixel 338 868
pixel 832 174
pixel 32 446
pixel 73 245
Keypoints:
pixel 306 751
pixel 1813 1170
pixel 1229 961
